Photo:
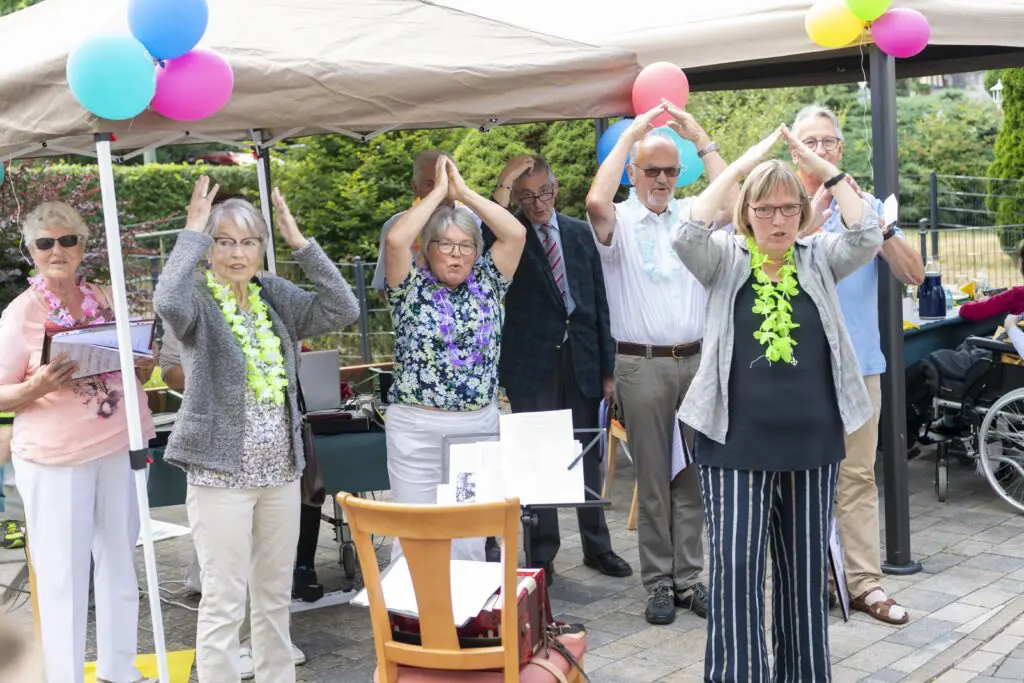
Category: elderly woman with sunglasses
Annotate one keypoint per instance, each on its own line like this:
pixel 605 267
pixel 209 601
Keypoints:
pixel 238 435
pixel 70 449
pixel 447 317
pixel 778 385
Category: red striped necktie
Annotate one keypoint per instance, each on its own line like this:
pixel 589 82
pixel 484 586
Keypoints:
pixel 554 255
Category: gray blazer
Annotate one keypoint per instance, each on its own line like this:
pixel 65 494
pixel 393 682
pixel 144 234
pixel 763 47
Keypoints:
pixel 721 262
pixel 211 423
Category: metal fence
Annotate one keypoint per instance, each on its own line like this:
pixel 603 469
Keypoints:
pixel 962 232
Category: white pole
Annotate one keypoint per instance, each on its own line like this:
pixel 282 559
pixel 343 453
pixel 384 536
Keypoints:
pixel 261 176
pixel 138 448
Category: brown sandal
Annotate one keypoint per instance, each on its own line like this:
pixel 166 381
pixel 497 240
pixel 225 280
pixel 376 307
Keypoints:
pixel 879 609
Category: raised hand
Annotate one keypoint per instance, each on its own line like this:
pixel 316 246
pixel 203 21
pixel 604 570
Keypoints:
pixel 753 156
pixel 683 123
pixel 516 166
pixel 821 168
pixel 456 185
pixel 643 123
pixel 286 224
pixel 200 204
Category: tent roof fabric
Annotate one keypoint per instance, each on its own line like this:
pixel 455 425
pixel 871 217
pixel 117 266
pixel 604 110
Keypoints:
pixel 312 66
pixel 359 66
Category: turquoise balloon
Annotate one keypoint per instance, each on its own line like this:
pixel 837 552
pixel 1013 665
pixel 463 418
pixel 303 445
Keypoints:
pixel 112 76
pixel 1 174
pixel 690 162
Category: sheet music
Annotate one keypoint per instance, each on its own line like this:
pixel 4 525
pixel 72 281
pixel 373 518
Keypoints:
pixel 92 360
pixel 835 556
pixel 95 348
pixel 536 451
pixel 472 583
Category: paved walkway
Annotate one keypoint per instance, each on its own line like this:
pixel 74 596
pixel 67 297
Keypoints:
pixel 966 606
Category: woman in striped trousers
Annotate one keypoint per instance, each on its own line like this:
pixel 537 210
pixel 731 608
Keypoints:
pixel 777 386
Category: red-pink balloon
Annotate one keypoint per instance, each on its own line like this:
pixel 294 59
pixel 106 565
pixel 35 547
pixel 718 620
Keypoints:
pixel 657 81
pixel 193 86
pixel 901 32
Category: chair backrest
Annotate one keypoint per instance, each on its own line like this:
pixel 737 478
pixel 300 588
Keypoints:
pixel 426 533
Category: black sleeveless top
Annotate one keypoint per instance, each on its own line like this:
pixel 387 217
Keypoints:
pixel 782 417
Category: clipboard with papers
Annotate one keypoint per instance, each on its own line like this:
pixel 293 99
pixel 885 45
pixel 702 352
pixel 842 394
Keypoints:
pixel 94 347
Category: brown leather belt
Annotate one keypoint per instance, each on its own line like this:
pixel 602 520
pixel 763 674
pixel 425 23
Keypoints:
pixel 651 351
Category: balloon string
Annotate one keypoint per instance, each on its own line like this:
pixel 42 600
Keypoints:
pixel 865 114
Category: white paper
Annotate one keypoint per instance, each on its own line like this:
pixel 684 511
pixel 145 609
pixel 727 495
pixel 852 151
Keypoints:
pixel 536 452
pixel 474 473
pixel 163 531
pixel 472 583
pixel 835 552
pixel 95 348
pixel 678 463
pixel 890 211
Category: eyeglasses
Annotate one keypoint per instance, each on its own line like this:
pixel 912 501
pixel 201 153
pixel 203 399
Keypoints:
pixel 448 248
pixel 66 241
pixel 227 244
pixel 787 210
pixel 531 198
pixel 655 171
pixel 829 144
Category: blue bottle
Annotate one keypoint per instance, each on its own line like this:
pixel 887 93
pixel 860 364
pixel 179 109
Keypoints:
pixel 931 297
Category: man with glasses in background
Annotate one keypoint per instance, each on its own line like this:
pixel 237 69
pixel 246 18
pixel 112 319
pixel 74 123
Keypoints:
pixel 856 506
pixel 657 321
pixel 557 352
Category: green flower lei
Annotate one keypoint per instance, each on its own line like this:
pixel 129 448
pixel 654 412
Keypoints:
pixel 264 363
pixel 773 303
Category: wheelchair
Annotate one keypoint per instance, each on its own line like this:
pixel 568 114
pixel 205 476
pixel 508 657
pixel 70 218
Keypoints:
pixel 978 416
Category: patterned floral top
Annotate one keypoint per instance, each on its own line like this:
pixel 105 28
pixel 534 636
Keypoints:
pixel 447 342
pixel 266 452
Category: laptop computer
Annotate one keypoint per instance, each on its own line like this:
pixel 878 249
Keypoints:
pixel 320 376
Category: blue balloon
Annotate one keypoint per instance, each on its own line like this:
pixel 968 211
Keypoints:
pixel 168 28
pixel 691 163
pixel 607 141
pixel 112 76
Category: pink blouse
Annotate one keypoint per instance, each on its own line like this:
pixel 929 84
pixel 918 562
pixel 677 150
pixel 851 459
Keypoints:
pixel 70 426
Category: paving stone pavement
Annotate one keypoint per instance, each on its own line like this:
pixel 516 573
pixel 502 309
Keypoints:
pixel 966 605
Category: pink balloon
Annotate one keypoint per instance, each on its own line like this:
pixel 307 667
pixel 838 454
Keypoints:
pixel 656 81
pixel 193 86
pixel 901 32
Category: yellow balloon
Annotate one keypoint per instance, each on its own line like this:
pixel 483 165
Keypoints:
pixel 831 24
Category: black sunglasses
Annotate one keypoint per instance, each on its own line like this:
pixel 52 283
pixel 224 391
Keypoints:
pixel 655 171
pixel 66 241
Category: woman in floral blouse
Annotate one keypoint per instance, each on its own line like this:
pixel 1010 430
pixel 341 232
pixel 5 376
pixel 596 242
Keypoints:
pixel 447 318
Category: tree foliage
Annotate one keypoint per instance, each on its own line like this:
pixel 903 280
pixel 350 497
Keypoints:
pixel 1007 170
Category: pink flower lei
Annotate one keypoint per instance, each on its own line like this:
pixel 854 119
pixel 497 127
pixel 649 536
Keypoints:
pixel 60 313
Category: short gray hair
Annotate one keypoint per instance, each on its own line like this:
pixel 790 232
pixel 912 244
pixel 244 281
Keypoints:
pixel 424 160
pixel 445 216
pixel 242 213
pixel 814 111
pixel 634 151
pixel 49 214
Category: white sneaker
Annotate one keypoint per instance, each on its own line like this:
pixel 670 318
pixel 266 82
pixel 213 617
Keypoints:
pixel 247 665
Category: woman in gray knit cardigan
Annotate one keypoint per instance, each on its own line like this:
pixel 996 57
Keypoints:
pixel 238 434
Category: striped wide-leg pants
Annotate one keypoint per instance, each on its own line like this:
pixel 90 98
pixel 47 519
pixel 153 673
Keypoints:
pixel 747 513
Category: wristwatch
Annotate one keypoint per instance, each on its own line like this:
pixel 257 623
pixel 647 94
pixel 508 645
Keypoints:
pixel 888 232
pixel 503 187
pixel 713 147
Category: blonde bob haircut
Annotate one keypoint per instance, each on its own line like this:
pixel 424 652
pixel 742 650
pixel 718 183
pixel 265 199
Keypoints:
pixel 766 178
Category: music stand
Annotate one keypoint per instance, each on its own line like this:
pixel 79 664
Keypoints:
pixel 528 512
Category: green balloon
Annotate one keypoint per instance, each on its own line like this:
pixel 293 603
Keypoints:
pixel 868 10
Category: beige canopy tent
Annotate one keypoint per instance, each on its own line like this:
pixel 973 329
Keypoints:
pixel 732 44
pixel 315 66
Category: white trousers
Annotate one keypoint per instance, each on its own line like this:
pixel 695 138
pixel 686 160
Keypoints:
pixel 245 538
pixel 414 437
pixel 74 513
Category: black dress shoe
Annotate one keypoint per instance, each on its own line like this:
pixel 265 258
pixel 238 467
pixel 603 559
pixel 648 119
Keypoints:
pixel 661 609
pixel 695 599
pixel 609 564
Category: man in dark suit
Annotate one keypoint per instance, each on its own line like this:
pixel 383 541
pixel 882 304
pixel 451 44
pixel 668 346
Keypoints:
pixel 557 351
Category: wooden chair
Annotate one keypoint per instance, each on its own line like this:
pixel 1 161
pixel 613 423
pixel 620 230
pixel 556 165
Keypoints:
pixel 617 434
pixel 426 532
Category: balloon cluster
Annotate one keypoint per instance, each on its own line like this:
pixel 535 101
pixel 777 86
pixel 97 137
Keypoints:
pixel 657 81
pixel 117 77
pixel 899 32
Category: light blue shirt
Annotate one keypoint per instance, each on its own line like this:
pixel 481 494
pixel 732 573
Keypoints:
pixel 556 234
pixel 858 297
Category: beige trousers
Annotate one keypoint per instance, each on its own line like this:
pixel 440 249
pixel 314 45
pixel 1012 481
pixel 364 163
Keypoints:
pixel 856 508
pixel 245 536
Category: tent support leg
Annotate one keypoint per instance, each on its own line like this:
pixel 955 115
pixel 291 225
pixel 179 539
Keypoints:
pixel 139 449
pixel 263 176
pixel 890 317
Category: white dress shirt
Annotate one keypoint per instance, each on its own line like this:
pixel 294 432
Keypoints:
pixel 652 297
